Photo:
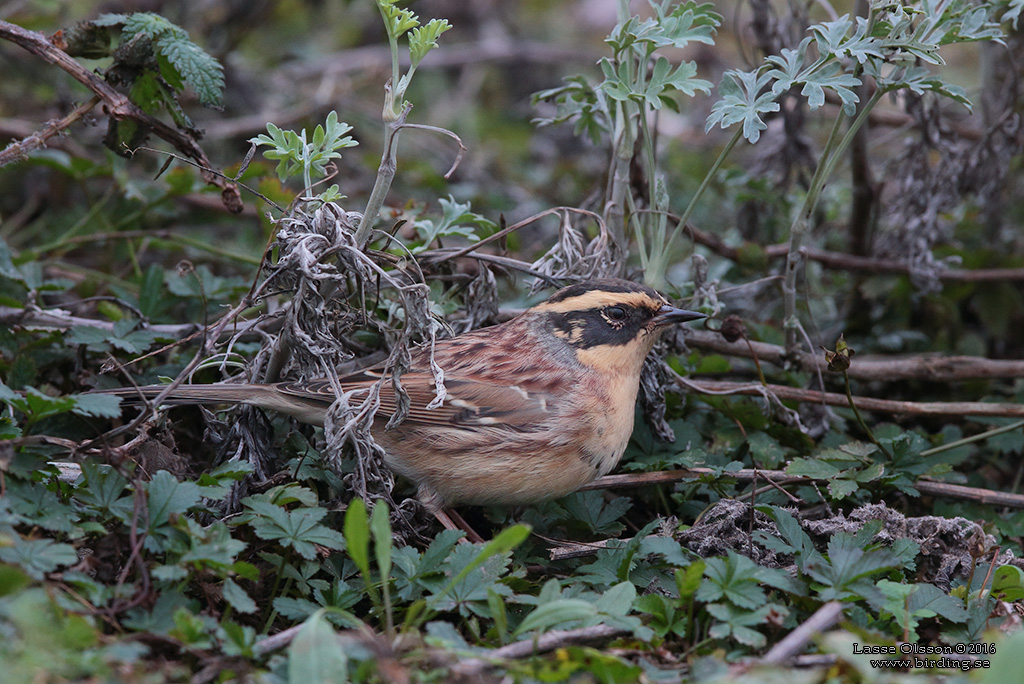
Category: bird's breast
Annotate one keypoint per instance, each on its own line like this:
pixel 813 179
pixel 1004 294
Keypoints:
pixel 608 414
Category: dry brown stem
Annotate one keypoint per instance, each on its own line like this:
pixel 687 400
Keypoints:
pixel 924 367
pixel 548 641
pixel 915 408
pixel 780 477
pixel 20 149
pixel 850 262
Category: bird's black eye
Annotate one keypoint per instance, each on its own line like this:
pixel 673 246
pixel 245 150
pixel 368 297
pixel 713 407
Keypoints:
pixel 615 313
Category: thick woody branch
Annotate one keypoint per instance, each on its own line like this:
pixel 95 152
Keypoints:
pixel 912 408
pixel 935 368
pixel 850 262
pixel 780 477
pixel 59 319
pixel 777 477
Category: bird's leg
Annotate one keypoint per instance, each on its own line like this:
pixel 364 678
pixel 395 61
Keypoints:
pixel 449 518
pixel 453 517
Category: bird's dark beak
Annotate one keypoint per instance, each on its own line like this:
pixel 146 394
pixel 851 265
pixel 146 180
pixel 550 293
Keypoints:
pixel 669 315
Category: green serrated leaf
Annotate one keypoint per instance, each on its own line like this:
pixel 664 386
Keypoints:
pixel 38 405
pixel 397 20
pixel 8 430
pixel 38 556
pixel 496 606
pixel 1008 583
pixel 832 77
pixel 688 580
pixel 169 497
pixel 152 297
pixel 840 488
pixel 734 578
pixel 812 467
pixel 739 622
pixel 871 473
pixel 149 93
pixel 237 598
pixel 198 69
pixel 94 338
pixel 860 450
pixel 97 405
pixel 765 450
pixel 12 580
pixel 299 529
pixel 110 19
pixel 665 82
pixel 502 544
pixel 599 514
pixel 617 600
pixel 104 491
pixel 151 25
pixel 213 546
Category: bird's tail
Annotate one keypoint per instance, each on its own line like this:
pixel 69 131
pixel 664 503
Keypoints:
pixel 305 407
pixel 189 394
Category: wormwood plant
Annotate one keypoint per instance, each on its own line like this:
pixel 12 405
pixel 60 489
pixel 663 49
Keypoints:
pixel 131 569
pixel 638 82
pixel 887 47
pixel 895 47
pixel 296 156
pixel 323 256
pixel 399 22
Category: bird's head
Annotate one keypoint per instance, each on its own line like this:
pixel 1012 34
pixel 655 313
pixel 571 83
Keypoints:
pixel 610 324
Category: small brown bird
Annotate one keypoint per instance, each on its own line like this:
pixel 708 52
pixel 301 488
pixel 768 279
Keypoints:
pixel 537 406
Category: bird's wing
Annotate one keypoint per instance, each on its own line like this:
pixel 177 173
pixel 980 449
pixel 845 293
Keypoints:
pixel 470 401
pixel 474 402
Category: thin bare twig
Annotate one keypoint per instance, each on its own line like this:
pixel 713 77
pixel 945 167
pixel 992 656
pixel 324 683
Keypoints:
pixel 915 408
pixel 215 330
pixel 278 640
pixel 510 229
pixel 444 131
pixel 580 550
pixel 794 642
pixel 59 319
pixel 20 149
pixel 446 253
pixel 548 641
